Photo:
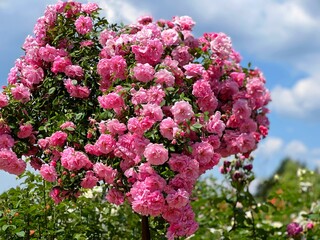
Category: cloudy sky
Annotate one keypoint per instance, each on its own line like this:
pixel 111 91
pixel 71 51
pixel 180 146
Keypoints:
pixel 281 37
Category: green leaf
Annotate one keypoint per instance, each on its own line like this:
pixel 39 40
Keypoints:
pixel 51 90
pixel 5 227
pixel 20 234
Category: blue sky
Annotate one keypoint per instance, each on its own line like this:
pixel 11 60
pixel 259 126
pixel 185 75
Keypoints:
pixel 281 37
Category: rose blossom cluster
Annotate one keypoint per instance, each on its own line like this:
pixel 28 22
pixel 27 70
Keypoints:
pixel 154 109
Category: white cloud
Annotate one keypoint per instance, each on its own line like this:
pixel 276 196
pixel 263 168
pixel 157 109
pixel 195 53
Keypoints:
pixel 295 148
pixel 269 147
pixel 117 11
pixel 301 100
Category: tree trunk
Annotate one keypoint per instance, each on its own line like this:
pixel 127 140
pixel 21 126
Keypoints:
pixel 145 228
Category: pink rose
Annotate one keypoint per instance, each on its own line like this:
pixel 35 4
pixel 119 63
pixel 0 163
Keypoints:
pixel 83 25
pixel 115 196
pixel 48 173
pixel 156 154
pixel 25 131
pixel 6 141
pixel 74 160
pixel 89 181
pixel 70 126
pixel 178 199
pixel 167 127
pixel 164 77
pixel 182 111
pixel 3 100
pixel 21 93
pixel 143 72
pixel 104 172
pixel 111 101
pixel 105 143
pixel 58 139
pixel 74 71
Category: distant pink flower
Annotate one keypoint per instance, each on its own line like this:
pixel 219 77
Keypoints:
pixel 7 156
pixel 113 126
pixel 6 141
pixel 111 101
pixel 112 68
pixel 164 77
pixel 83 25
pixel 74 71
pixel 178 199
pixel 89 181
pixel 58 139
pixel 48 53
pixel 16 167
pixel 152 111
pixel 74 160
pixel 182 111
pixel 182 55
pixel 25 131
pixel 48 173
pixel 193 70
pixel 44 143
pixel 201 89
pixel 21 93
pixel 150 52
pixel 156 154
pixel 104 172
pixel 167 127
pixel 70 126
pixel 185 22
pixel 3 100
pixel 202 151
pixel 143 72
pixel 89 7
pixel 115 196
pixel 144 20
pixel 105 143
pixel 215 125
pixel 32 75
pixel 60 63
pixel 170 37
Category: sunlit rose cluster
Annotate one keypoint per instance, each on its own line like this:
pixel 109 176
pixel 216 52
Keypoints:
pixel 173 105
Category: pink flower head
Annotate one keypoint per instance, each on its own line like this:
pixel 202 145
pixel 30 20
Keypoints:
pixel 16 167
pixel 112 68
pixel 178 199
pixel 58 139
pixel 193 70
pixel 164 77
pixel 60 63
pixel 48 173
pixel 74 160
pixel 89 181
pixel 182 111
pixel 113 126
pixel 156 154
pixel 143 72
pixel 25 131
pixel 6 141
pixel 89 7
pixel 69 126
pixel 32 75
pixel 170 37
pixel 83 25
pixel 152 111
pixel 111 101
pixel 184 22
pixel 105 143
pixel 167 127
pixel 74 71
pixel 150 52
pixel 3 100
pixel 7 157
pixel 104 172
pixel 21 93
pixel 145 20
pixel 75 90
pixel 201 89
pixel 182 55
pixel 48 53
pixel 115 196
pixel 215 125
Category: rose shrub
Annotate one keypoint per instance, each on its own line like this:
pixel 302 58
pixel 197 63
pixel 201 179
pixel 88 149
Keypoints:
pixel 145 108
